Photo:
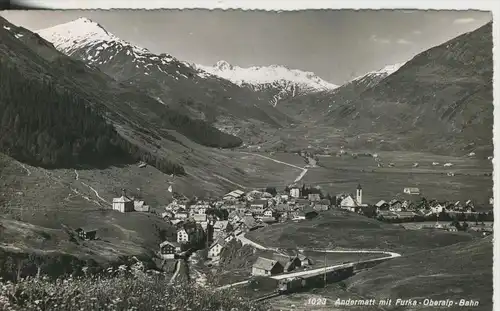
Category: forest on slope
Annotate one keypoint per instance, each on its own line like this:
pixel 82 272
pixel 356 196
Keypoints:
pixel 46 126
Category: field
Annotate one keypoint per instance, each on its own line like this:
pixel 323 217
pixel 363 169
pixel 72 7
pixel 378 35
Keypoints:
pixel 419 225
pixel 318 258
pixel 403 162
pixel 434 264
pixel 288 157
pixel 41 208
pixel 336 229
pixel 460 271
pixel 342 174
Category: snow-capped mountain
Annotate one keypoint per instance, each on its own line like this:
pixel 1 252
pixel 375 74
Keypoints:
pixel 342 96
pixel 87 39
pixel 373 77
pixel 279 81
pixel 172 82
pixel 318 105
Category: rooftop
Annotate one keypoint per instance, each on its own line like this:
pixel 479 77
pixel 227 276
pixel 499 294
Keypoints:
pixel 121 199
pixel 174 244
pixel 264 263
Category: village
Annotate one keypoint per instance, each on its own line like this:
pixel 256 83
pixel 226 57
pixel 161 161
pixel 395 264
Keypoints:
pixel 211 224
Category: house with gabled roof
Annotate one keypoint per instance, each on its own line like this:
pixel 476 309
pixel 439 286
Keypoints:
pixel 314 197
pixel 322 205
pixel 123 204
pixel 235 216
pixel 259 204
pixel 382 204
pixel 86 233
pixel 395 206
pixel 233 195
pixel 411 190
pixel 140 206
pixel 248 223
pixel 304 260
pixel 437 208
pixel 222 225
pixel 282 208
pixel 266 267
pixel 216 248
pixel 200 217
pixel 295 192
pixel 182 236
pixel 181 214
pixel 268 213
pixel 292 264
pixel 169 249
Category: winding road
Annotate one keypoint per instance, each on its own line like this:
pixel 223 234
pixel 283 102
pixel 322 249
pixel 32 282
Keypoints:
pixel 388 255
pixel 302 174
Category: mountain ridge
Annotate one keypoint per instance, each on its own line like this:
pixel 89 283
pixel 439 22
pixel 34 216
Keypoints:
pixel 277 80
pixel 172 82
pixel 440 100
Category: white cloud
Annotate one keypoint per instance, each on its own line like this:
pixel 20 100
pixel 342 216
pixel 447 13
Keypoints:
pixel 464 20
pixel 417 32
pixel 404 41
pixel 377 39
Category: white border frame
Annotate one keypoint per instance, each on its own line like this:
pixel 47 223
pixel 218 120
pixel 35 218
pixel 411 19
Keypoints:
pixel 292 5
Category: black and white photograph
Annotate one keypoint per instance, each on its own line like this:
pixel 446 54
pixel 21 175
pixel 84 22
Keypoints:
pixel 246 160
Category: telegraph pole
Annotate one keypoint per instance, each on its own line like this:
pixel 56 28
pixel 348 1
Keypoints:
pixel 324 278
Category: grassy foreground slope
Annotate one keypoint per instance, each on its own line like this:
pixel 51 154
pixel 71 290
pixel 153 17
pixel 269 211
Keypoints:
pixel 459 271
pixel 122 292
pixel 339 229
pixel 434 264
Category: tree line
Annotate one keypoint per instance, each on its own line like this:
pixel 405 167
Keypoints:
pixel 201 132
pixel 43 125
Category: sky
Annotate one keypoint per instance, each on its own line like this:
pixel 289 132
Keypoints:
pixel 337 45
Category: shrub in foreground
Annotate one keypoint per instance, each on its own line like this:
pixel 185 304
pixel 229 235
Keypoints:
pixel 116 293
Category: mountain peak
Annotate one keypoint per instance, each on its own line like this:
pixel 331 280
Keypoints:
pixel 223 65
pixel 382 73
pixel 84 20
pixel 82 32
pixel 260 75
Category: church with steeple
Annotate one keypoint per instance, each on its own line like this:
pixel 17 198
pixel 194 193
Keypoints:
pixel 351 203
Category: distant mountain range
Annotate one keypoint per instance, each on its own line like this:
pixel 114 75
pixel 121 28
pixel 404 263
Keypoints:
pixel 278 81
pixel 440 101
pixel 312 106
pixel 172 82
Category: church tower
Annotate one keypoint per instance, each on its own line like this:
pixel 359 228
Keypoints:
pixel 359 195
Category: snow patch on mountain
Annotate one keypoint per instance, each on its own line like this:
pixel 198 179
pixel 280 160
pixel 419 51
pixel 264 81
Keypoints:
pixel 267 75
pixel 83 32
pixel 384 72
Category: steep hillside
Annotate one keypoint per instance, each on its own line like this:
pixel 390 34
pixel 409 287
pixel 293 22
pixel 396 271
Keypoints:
pixel 312 106
pixel 155 130
pixel 440 101
pixel 172 82
pixel 143 121
pixel 277 82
